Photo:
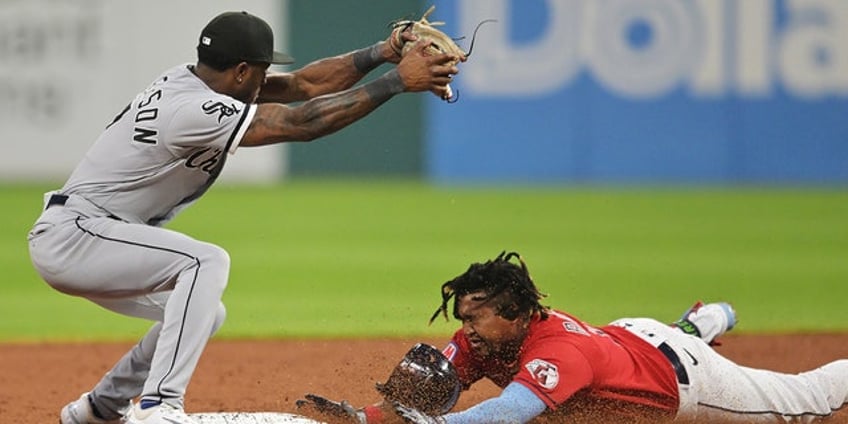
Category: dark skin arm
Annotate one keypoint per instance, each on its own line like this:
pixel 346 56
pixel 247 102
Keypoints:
pixel 329 75
pixel 328 113
pixel 323 76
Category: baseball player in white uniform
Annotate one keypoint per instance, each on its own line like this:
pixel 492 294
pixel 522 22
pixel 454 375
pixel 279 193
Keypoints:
pixel 100 236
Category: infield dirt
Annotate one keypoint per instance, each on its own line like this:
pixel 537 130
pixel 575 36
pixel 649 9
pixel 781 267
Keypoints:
pixel 36 380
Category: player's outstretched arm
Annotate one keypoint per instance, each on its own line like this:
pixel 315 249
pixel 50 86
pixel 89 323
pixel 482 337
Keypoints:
pixel 329 75
pixel 516 404
pixel 323 115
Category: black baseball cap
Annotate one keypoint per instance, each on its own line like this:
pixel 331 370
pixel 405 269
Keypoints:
pixel 240 36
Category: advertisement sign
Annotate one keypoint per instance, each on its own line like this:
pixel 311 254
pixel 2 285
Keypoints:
pixel 68 67
pixel 712 91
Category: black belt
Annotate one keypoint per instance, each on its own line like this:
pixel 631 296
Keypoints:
pixel 679 370
pixel 61 199
pixel 57 199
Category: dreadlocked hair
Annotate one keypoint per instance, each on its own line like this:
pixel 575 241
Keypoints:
pixel 496 278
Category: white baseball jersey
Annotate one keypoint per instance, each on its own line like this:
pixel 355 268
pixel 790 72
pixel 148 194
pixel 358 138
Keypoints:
pixel 163 151
pixel 156 157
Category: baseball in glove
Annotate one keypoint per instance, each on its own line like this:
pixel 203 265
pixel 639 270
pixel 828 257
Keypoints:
pixel 437 41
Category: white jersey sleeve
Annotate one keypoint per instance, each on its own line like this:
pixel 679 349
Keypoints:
pixel 214 116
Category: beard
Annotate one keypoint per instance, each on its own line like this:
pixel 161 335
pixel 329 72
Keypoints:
pixel 504 352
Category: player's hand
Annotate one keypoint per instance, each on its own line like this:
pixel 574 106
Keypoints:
pixel 330 411
pixel 422 72
pixel 415 416
pixel 393 47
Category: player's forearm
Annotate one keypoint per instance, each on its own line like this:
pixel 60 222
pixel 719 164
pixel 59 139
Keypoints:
pixel 516 404
pixel 325 76
pixel 328 114
pixel 322 115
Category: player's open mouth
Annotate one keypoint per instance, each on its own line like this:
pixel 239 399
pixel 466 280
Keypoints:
pixel 476 343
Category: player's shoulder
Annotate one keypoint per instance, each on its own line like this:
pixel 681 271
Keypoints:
pixel 561 327
pixel 557 321
pixel 183 86
pixel 191 99
pixel 561 336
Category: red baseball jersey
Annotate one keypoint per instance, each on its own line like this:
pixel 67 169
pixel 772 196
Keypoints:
pixel 580 369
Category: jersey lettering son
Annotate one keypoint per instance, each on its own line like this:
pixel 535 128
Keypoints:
pixel 163 151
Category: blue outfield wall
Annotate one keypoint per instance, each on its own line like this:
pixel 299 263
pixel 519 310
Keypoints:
pixel 645 91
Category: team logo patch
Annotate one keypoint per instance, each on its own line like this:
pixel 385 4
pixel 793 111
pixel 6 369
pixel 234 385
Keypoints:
pixel 450 351
pixel 223 111
pixel 544 372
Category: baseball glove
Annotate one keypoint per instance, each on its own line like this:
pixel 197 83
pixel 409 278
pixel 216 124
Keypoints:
pixel 426 32
pixel 425 380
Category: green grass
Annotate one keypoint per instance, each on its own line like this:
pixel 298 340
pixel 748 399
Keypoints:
pixel 366 258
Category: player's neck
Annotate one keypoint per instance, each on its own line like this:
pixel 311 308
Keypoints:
pixel 218 81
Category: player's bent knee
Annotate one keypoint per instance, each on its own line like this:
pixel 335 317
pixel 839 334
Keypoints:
pixel 220 316
pixel 214 257
pixel 215 254
pixel 209 265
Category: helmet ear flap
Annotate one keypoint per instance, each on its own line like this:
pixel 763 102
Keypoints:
pixel 425 380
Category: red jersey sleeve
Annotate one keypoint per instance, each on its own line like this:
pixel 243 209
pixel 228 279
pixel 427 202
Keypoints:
pixel 554 371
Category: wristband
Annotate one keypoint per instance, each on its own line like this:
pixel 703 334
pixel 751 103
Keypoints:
pixel 386 86
pixel 368 58
pixel 373 414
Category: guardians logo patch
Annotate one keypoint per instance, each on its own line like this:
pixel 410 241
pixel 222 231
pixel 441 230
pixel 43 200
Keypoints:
pixel 544 372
